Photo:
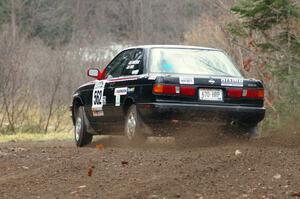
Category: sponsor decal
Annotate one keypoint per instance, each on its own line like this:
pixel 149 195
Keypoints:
pixel 186 80
pixel 232 82
pixel 135 72
pixel 252 85
pixel 118 100
pixel 123 79
pixel 130 90
pixel 121 91
pixel 130 67
pixel 118 93
pixel 104 100
pixel 132 77
pixel 98 113
pixel 134 62
pixel 97 98
pixel 152 77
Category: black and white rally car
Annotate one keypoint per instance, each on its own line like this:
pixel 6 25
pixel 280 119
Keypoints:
pixel 157 84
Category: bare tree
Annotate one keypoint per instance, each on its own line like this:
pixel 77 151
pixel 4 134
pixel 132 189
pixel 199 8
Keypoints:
pixel 37 79
pixel 13 78
pixel 56 76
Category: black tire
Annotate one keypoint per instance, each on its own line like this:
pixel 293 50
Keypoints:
pixel 133 126
pixel 81 136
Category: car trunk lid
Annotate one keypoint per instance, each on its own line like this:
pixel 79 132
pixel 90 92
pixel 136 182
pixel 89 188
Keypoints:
pixel 209 90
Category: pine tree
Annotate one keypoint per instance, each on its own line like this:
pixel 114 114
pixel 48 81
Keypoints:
pixel 272 31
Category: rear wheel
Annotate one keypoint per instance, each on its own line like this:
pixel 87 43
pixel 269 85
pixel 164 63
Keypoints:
pixel 82 137
pixel 133 126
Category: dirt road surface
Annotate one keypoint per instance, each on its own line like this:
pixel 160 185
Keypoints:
pixel 223 167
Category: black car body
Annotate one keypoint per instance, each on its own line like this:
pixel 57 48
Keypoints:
pixel 164 84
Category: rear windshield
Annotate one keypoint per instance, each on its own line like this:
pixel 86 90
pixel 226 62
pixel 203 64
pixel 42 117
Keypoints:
pixel 191 61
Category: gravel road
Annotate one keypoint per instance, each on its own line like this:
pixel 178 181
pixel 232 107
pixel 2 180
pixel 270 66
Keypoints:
pixel 219 167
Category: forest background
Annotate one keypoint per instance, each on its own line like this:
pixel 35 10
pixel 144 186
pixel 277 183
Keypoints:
pixel 46 47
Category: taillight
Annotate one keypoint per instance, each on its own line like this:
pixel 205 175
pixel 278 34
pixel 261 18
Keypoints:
pixel 174 89
pixel 234 92
pixel 165 89
pixel 158 88
pixel 256 93
pixel 187 90
pixel 170 89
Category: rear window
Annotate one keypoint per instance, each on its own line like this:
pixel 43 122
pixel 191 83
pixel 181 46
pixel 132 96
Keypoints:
pixel 191 61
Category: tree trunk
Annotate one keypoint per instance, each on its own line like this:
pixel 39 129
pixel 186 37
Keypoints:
pixel 51 107
pixel 13 21
pixel 142 21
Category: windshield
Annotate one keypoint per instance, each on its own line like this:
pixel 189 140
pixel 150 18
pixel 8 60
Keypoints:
pixel 191 61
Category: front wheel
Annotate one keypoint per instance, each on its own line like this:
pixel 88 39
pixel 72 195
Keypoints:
pixel 133 126
pixel 82 137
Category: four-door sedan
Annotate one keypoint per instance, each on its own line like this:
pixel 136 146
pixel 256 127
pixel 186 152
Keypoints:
pixel 155 85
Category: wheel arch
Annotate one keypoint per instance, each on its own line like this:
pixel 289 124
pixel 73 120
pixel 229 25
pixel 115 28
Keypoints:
pixel 77 102
pixel 127 103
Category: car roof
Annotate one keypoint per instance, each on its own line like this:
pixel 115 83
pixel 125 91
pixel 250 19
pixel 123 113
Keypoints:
pixel 172 46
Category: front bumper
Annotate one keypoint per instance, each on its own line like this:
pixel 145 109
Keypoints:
pixel 153 112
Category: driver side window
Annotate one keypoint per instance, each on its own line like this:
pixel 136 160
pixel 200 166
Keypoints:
pixel 115 68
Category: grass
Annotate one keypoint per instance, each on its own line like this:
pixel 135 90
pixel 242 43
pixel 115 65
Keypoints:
pixel 36 136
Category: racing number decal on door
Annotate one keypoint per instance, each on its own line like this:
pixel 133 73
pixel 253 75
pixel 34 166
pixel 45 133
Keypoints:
pixel 97 97
pixel 97 100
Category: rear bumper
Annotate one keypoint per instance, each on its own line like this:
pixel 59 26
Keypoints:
pixel 153 112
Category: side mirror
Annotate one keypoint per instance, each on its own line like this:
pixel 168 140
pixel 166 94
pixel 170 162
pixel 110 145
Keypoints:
pixel 93 72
